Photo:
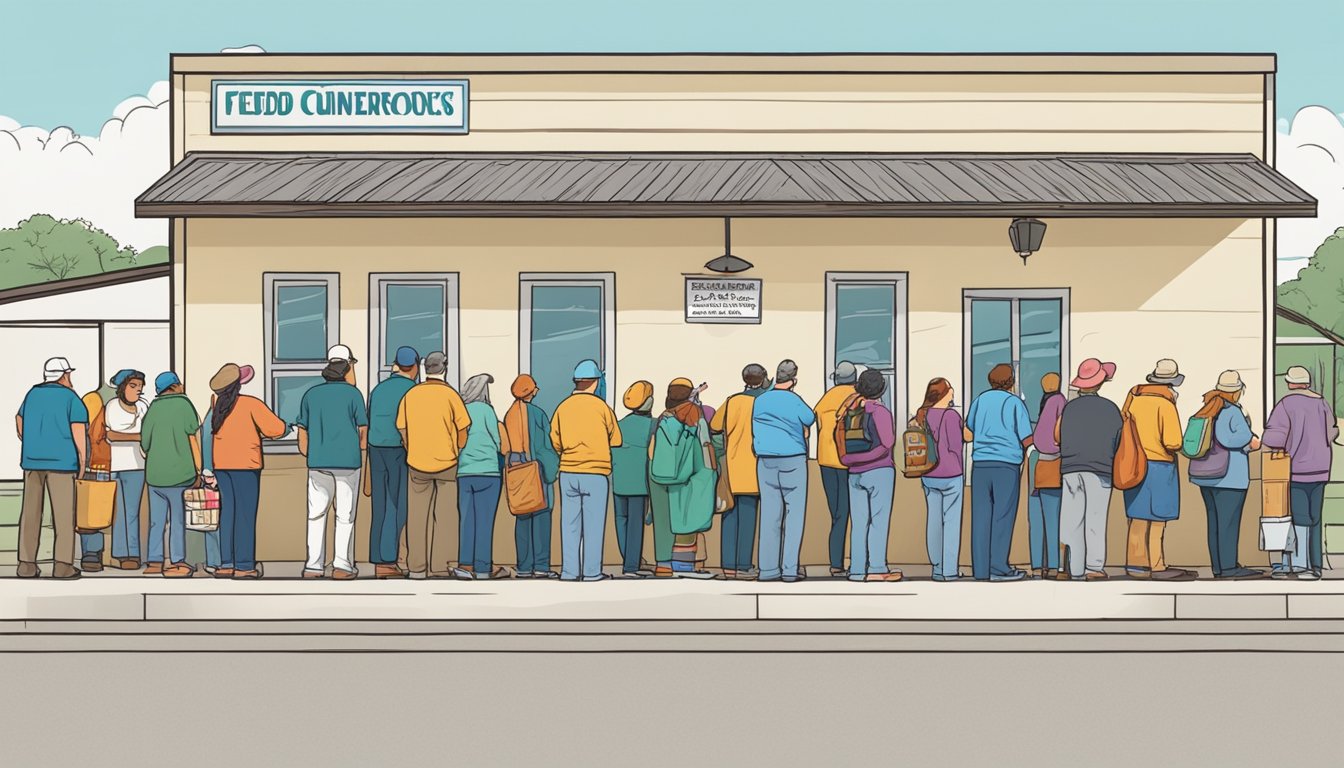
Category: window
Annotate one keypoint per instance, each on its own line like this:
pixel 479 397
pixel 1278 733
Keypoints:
pixel 563 319
pixel 1028 329
pixel 300 313
pixel 412 310
pixel 865 324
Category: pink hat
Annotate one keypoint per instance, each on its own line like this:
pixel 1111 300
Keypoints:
pixel 245 373
pixel 1092 373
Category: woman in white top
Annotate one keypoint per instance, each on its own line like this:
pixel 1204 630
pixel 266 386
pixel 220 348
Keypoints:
pixel 123 415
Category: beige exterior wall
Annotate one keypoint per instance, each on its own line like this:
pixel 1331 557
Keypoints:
pixel 1140 290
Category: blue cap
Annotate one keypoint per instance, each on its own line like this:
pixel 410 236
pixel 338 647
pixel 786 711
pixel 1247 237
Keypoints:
pixel 406 357
pixel 121 376
pixel 587 370
pixel 165 380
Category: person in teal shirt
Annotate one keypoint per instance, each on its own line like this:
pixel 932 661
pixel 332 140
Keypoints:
pixel 169 437
pixel 333 428
pixel 387 465
pixel 630 477
pixel 52 423
pixel 479 482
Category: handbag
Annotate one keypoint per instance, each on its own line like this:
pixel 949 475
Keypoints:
pixel 1047 473
pixel 95 498
pixel 1131 463
pixel 202 508
pixel 523 486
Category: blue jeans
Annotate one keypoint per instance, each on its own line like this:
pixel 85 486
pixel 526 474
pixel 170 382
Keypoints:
pixel 477 502
pixel 870 513
pixel 167 510
pixel 387 474
pixel 739 533
pixel 583 523
pixel 239 495
pixel 532 537
pixel 995 486
pixel 1043 527
pixel 630 529
pixel 835 484
pixel 211 543
pixel 783 482
pixel 126 520
pixel 91 545
pixel 943 533
pixel 1307 500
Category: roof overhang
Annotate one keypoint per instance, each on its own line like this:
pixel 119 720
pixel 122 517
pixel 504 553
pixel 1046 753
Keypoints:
pixel 712 185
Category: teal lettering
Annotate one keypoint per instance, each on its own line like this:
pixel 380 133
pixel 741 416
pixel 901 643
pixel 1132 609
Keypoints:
pixel 361 107
pixel 305 100
pixel 447 99
pixel 285 103
pixel 401 104
pixel 324 102
pixel 228 101
pixel 385 100
pixel 344 103
pixel 374 106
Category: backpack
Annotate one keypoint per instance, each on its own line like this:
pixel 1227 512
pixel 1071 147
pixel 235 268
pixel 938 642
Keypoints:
pixel 674 447
pixel 1131 463
pixel 920 449
pixel 1198 437
pixel 853 427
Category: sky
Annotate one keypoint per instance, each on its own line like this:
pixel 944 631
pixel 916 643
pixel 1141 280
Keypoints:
pixel 82 97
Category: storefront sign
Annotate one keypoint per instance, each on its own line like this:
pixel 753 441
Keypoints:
pixel 338 106
pixel 723 300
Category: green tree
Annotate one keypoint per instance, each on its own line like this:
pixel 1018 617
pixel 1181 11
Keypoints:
pixel 43 248
pixel 1318 290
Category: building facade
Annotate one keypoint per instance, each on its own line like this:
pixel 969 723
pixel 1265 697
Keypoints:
pixel 558 212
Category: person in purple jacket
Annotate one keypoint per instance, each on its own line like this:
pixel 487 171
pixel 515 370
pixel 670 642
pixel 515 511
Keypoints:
pixel 943 485
pixel 1303 425
pixel 1043 507
pixel 872 478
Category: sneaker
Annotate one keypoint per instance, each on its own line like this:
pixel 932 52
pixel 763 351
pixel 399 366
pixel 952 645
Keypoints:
pixel 1308 575
pixel 1241 574
pixel 463 573
pixel 524 575
pixel 631 575
pixel 545 575
pixel 1174 574
pixel 598 577
pixel 1012 576
pixel 694 575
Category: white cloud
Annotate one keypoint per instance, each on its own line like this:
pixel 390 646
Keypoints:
pixel 244 49
pixel 97 178
pixel 1310 151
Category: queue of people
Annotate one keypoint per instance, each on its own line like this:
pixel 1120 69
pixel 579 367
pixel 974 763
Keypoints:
pixel 422 451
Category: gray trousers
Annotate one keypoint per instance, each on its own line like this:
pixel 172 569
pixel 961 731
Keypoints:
pixel 1082 522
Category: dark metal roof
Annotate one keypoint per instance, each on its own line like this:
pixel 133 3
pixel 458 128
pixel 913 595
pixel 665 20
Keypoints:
pixel 652 185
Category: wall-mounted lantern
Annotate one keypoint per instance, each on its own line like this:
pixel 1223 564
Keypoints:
pixel 728 263
pixel 1026 236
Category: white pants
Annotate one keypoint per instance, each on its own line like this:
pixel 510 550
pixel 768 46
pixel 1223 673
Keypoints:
pixel 1082 522
pixel 323 485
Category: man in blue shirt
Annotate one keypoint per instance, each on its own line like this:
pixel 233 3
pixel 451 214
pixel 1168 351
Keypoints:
pixel 1000 427
pixel 333 428
pixel 52 423
pixel 780 420
pixel 387 465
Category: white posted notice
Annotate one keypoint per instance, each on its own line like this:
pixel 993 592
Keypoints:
pixel 723 300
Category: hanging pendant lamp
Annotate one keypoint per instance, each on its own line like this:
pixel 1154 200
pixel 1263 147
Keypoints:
pixel 728 264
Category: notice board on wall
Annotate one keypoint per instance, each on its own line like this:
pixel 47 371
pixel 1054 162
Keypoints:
pixel 723 299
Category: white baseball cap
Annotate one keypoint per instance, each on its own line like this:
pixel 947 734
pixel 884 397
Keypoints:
pixel 55 368
pixel 341 352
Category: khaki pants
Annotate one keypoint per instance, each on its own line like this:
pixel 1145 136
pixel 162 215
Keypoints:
pixel 431 501
pixel 60 489
pixel 1145 545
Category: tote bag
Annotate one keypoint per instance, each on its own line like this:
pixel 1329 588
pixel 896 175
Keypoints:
pixel 523 486
pixel 1131 463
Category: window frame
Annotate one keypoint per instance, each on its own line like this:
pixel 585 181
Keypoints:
pixel 900 338
pixel 273 369
pixel 1015 296
pixel 452 330
pixel 606 281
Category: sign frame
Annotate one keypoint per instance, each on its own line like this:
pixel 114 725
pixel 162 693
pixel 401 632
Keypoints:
pixel 686 301
pixel 348 130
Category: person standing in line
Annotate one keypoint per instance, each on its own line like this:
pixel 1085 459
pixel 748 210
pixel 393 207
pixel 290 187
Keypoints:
pixel 479 483
pixel 687 476
pixel 169 437
pixel 1223 475
pixel 872 481
pixel 122 418
pixel 1304 426
pixel 1047 493
pixel 98 454
pixel 387 465
pixel 1156 501
pixel 630 477
pixel 1089 434
pixel 834 475
pixel 1000 428
pixel 434 424
pixel 780 421
pixel 52 425
pixel 527 424
pixel 583 431
pixel 232 459
pixel 333 427
pixel 943 485
pixel 738 526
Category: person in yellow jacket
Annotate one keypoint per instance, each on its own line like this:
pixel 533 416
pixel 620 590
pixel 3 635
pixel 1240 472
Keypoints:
pixel 834 475
pixel 1157 500
pixel 583 431
pixel 733 421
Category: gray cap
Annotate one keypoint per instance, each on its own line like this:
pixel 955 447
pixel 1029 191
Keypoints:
pixel 436 364
pixel 786 372
pixel 845 373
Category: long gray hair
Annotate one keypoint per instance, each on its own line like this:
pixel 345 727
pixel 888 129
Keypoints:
pixel 477 388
